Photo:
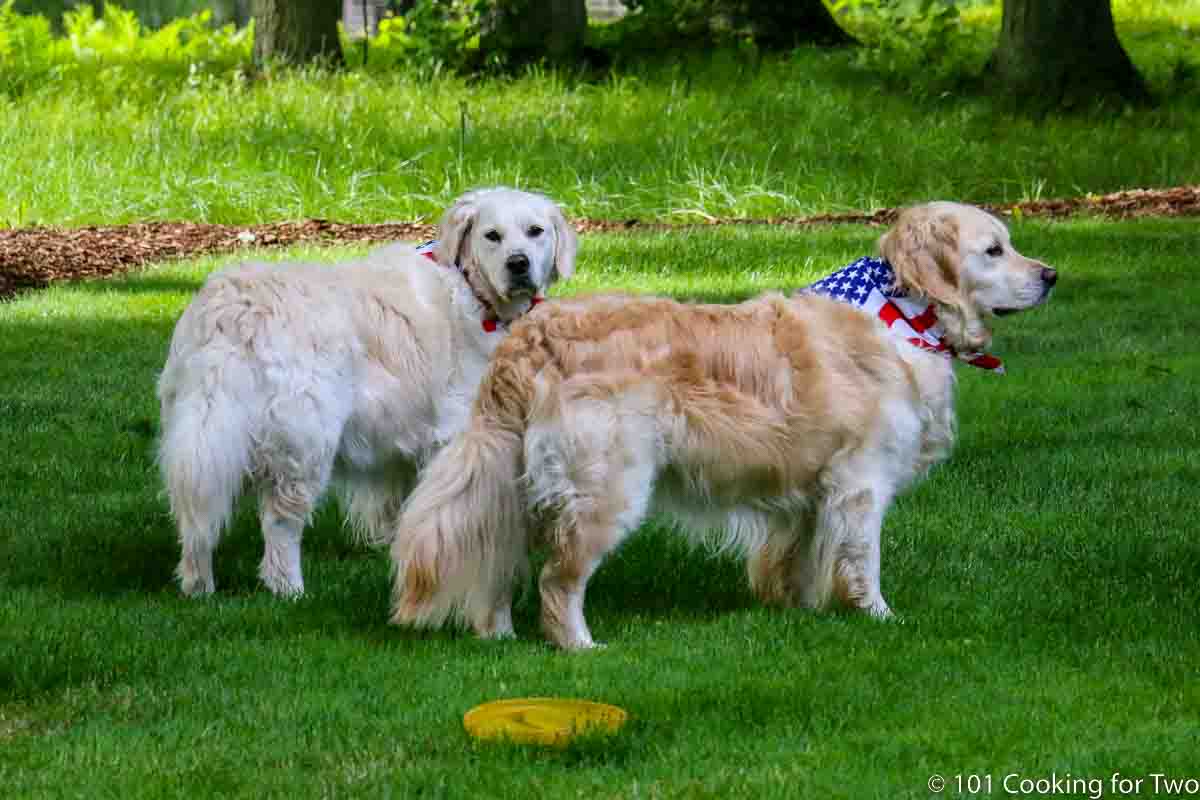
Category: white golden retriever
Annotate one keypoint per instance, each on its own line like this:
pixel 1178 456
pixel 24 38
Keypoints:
pixel 782 426
pixel 292 375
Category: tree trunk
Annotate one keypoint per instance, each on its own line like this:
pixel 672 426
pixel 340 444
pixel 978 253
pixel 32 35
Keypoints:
pixel 296 31
pixel 784 24
pixel 1058 52
pixel 533 30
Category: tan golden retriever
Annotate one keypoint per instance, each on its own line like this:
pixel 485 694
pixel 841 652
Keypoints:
pixel 292 376
pixel 783 427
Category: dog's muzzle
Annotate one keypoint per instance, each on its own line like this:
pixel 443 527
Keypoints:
pixel 518 272
pixel 1049 278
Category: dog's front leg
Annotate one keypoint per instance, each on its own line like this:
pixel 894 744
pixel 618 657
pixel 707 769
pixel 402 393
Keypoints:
pixel 844 559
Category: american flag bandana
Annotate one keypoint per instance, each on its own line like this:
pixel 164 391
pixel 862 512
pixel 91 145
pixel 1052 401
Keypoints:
pixel 870 284
pixel 491 323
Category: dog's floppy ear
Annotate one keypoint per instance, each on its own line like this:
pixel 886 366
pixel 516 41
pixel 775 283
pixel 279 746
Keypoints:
pixel 566 244
pixel 922 248
pixel 455 228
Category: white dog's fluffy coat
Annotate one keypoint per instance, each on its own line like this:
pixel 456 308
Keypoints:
pixel 786 426
pixel 294 374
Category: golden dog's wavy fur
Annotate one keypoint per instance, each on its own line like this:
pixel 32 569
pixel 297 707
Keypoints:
pixel 784 426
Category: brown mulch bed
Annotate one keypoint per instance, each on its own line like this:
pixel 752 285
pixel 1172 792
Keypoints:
pixel 34 257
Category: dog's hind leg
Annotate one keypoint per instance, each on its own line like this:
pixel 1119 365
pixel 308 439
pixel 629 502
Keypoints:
pixel 284 508
pixel 491 612
pixel 578 551
pixel 295 468
pixel 591 457
pixel 770 566
pixel 198 536
pixel 372 501
pixel 201 513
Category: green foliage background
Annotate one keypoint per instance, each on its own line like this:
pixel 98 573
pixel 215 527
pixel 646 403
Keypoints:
pixel 929 44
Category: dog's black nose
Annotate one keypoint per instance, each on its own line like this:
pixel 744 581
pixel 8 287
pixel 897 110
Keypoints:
pixel 1049 276
pixel 518 264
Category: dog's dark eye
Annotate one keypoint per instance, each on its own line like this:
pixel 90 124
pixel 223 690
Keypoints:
pixel 536 231
pixel 492 236
pixel 995 251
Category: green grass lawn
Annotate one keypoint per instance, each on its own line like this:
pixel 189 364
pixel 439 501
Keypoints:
pixel 1046 578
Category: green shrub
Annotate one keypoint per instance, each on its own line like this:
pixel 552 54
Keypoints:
pixel 672 26
pixel 118 48
pixel 151 13
pixel 116 52
pixel 26 49
pixel 432 35
pixel 905 38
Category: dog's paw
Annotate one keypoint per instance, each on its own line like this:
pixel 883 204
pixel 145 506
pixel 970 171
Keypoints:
pixel 196 585
pixel 578 644
pixel 879 610
pixel 496 624
pixel 284 587
pixel 496 634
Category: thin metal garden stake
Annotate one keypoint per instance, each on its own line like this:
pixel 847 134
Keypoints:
pixel 462 129
pixel 366 32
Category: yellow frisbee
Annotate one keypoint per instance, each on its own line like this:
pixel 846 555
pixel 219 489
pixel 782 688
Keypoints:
pixel 541 720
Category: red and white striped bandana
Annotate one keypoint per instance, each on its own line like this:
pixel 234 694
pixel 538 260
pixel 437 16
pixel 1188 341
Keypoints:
pixel 870 284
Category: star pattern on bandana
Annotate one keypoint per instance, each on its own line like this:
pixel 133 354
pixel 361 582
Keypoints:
pixel 853 284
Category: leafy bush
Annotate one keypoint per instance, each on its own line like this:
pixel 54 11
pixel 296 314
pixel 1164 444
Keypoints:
pixel 926 39
pixel 674 21
pixel 750 25
pixel 26 48
pixel 114 50
pixel 463 36
pixel 151 13
pixel 433 34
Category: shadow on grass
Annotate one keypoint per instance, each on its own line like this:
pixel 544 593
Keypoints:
pixel 137 283
pixel 655 575
pixel 722 298
pixel 588 750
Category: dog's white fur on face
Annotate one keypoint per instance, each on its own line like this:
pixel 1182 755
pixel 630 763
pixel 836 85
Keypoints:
pixel 962 258
pixel 783 426
pixel 289 376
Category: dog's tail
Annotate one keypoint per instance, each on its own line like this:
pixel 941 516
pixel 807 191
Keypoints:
pixel 461 542
pixel 204 454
